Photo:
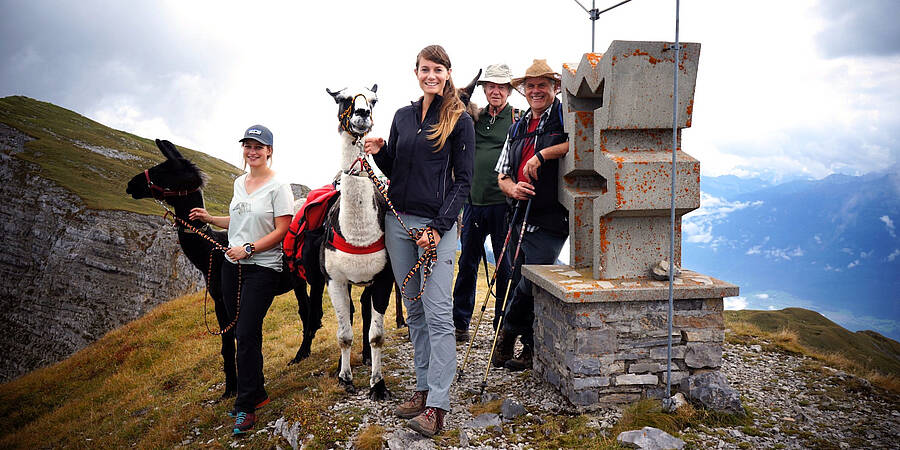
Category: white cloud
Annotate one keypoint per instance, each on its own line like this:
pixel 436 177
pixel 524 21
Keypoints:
pixel 829 268
pixel 864 255
pixel 889 224
pixel 735 303
pixel 762 296
pixel 894 255
pixel 818 239
pixel 772 253
pixel 771 308
pixel 853 264
pixel 697 226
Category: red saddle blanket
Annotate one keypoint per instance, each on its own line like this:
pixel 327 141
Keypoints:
pixel 311 216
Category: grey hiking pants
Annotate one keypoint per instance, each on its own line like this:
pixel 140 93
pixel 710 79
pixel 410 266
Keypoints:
pixel 430 319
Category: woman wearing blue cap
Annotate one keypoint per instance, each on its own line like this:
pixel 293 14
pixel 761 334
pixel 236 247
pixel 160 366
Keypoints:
pixel 259 215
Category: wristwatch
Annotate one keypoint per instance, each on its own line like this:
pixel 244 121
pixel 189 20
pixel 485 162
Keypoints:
pixel 249 248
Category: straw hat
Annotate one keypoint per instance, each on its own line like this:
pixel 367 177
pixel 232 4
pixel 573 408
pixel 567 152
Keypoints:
pixel 538 69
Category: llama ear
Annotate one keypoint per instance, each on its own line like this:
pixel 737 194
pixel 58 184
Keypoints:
pixel 334 94
pixel 168 150
pixel 374 88
pixel 471 87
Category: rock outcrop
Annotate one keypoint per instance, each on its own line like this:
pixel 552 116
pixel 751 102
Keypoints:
pixel 69 274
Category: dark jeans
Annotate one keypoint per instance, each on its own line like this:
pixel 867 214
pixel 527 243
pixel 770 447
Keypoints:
pixel 258 285
pixel 538 247
pixel 478 223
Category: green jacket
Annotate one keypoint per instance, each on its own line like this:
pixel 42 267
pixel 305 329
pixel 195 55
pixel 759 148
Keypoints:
pixel 489 139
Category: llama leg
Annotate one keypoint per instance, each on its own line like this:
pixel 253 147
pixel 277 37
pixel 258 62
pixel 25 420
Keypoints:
pixel 381 293
pixel 365 303
pixel 303 309
pixel 341 303
pixel 377 389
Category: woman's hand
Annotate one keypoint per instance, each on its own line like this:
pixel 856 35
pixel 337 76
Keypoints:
pixel 236 253
pixel 200 214
pixel 423 241
pixel 373 145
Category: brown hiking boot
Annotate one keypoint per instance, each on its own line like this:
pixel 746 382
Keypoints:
pixel 506 343
pixel 412 407
pixel 429 423
pixel 523 361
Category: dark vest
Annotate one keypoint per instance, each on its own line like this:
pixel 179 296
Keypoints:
pixel 546 210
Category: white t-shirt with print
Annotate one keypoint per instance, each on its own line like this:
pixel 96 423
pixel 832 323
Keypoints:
pixel 253 216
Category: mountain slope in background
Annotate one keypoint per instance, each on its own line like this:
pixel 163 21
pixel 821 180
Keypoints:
pixel 80 257
pixel 830 245
pixel 95 161
pixel 868 348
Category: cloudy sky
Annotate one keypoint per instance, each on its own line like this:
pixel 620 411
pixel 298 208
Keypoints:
pixel 785 89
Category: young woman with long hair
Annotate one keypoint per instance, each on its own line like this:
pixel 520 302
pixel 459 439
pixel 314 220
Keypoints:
pixel 429 158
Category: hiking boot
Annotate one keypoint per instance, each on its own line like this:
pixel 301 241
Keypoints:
pixel 429 423
pixel 462 335
pixel 243 422
pixel 523 361
pixel 506 343
pixel 412 407
pixel 259 405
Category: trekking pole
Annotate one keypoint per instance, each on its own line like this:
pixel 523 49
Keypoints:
pixel 497 262
pixel 500 323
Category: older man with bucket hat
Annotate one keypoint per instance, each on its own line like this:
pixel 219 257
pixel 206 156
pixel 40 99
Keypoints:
pixel 483 214
pixel 528 169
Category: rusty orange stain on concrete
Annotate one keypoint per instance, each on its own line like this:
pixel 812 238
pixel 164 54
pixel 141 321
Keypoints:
pixel 569 68
pixel 603 143
pixel 576 294
pixel 613 60
pixel 690 107
pixel 585 117
pixel 653 60
pixel 638 52
pixel 620 190
pixel 601 228
pixel 593 58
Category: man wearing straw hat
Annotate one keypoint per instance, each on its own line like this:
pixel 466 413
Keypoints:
pixel 528 168
pixel 484 213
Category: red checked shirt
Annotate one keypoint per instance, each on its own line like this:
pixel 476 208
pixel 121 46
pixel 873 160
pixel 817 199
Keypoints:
pixel 528 149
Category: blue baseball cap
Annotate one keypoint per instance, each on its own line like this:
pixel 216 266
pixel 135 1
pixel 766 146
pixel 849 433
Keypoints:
pixel 258 133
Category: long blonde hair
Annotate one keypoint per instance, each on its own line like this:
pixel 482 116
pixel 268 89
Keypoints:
pixel 452 107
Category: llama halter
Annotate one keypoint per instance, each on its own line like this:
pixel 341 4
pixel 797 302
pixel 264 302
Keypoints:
pixel 347 114
pixel 160 193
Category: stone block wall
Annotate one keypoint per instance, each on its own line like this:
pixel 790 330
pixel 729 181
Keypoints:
pixel 601 353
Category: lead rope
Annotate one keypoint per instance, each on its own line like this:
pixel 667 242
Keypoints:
pixel 216 246
pixel 429 256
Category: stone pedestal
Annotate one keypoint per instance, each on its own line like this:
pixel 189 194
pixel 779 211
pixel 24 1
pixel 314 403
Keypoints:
pixel 601 322
pixel 605 341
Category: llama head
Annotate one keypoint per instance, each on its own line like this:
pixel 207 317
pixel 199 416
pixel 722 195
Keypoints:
pixel 355 109
pixel 174 174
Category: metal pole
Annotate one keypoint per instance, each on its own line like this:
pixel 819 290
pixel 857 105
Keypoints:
pixel 594 16
pixel 672 208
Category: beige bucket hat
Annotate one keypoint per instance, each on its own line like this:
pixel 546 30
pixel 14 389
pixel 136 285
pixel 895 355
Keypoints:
pixel 496 73
pixel 539 68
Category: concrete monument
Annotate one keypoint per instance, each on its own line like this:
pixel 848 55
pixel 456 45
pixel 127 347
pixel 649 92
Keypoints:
pixel 601 322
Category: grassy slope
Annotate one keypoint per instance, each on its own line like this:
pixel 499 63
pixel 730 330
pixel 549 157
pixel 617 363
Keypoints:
pixel 869 349
pixel 99 180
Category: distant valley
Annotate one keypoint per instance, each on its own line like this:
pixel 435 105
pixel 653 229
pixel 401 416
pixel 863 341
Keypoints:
pixel 828 245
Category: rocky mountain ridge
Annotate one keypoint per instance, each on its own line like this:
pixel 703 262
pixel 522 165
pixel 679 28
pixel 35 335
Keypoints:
pixel 70 273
